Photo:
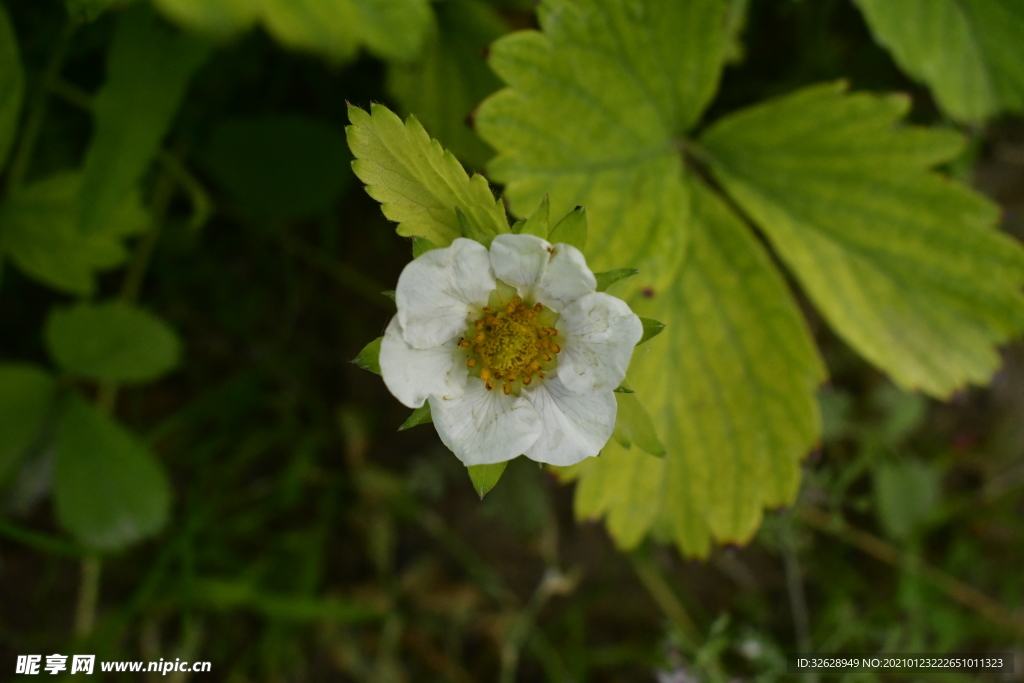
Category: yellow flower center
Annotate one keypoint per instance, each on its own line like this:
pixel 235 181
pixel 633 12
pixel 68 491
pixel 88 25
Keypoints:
pixel 512 342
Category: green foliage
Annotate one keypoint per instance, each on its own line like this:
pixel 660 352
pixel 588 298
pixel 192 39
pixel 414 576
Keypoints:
pixel 420 416
pixel 110 491
pixel 633 426
pixel 907 492
pixel 369 357
pixel 148 70
pixel 572 229
pixel 450 78
pixel 111 342
pixel 418 183
pixel 970 52
pixel 652 328
pixel 485 477
pixel 394 29
pixel 926 298
pixel 730 389
pixel 89 10
pixel 39 231
pixel 12 86
pixel 592 116
pixel 279 167
pixel 26 398
pixel 609 278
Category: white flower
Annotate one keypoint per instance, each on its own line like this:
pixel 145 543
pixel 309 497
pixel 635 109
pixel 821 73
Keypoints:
pixel 514 348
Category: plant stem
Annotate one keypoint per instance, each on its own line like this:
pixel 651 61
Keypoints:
pixel 666 599
pixel 88 596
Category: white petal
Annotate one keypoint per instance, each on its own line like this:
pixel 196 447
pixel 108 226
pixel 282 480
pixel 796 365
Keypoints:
pixel 576 426
pixel 437 292
pixel 567 277
pixel 484 427
pixel 520 260
pixel 599 332
pixel 414 374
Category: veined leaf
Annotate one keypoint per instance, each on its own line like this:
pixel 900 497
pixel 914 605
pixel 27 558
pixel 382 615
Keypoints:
pixel 970 52
pixel 393 29
pixel 419 183
pixel 109 490
pixel 904 263
pixel 26 395
pixel 591 114
pixel 112 342
pixel 39 230
pixel 485 477
pixel 729 386
pixel 446 83
pixel 148 69
pixel 12 86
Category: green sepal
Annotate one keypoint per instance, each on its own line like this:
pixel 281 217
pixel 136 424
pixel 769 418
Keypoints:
pixel 572 229
pixel 389 293
pixel 652 328
pixel 517 227
pixel 420 416
pixel 623 389
pixel 633 425
pixel 610 277
pixel 471 231
pixel 369 357
pixel 484 477
pixel 539 223
pixel 421 245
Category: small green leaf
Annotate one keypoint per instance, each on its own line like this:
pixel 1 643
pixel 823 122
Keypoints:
pixel 609 278
pixel 539 222
pixel 421 246
pixel 635 426
pixel 420 416
pixel 485 477
pixel 652 328
pixel 369 357
pixel 12 86
pixel 149 67
pixel 471 230
pixel 907 493
pixel 970 52
pixel 110 491
pixel 572 229
pixel 26 396
pixel 111 342
pixel 39 230
pixel 279 167
pixel 389 293
pixel 451 77
pixel 418 183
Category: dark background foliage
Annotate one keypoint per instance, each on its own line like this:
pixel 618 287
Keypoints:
pixel 309 540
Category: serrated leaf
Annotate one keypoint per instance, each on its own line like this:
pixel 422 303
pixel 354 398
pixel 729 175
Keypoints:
pixel 969 52
pixel 485 477
pixel 111 342
pixel 420 416
pixel 634 425
pixel 149 67
pixel 26 397
pixel 609 278
pixel 652 328
pixel 737 426
pixel 450 78
pixel 418 183
pixel 903 263
pixel 12 86
pixel 393 29
pixel 39 231
pixel 109 490
pixel 279 167
pixel 369 357
pixel 592 113
pixel 571 230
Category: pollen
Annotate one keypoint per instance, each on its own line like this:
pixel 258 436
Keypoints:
pixel 512 343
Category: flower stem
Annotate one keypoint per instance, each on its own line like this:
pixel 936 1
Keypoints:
pixel 88 596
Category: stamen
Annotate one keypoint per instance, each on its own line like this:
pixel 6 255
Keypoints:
pixel 485 374
pixel 507 389
pixel 539 307
pixel 489 384
pixel 471 363
pixel 510 309
pixel 479 324
pixel 555 348
pixel 488 309
pixel 480 336
pixel 464 343
pixel 527 379
pixel 545 357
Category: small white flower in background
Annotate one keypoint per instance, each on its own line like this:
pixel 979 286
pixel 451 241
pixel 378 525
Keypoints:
pixel 514 348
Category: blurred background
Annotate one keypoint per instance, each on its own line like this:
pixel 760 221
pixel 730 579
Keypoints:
pixel 309 540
